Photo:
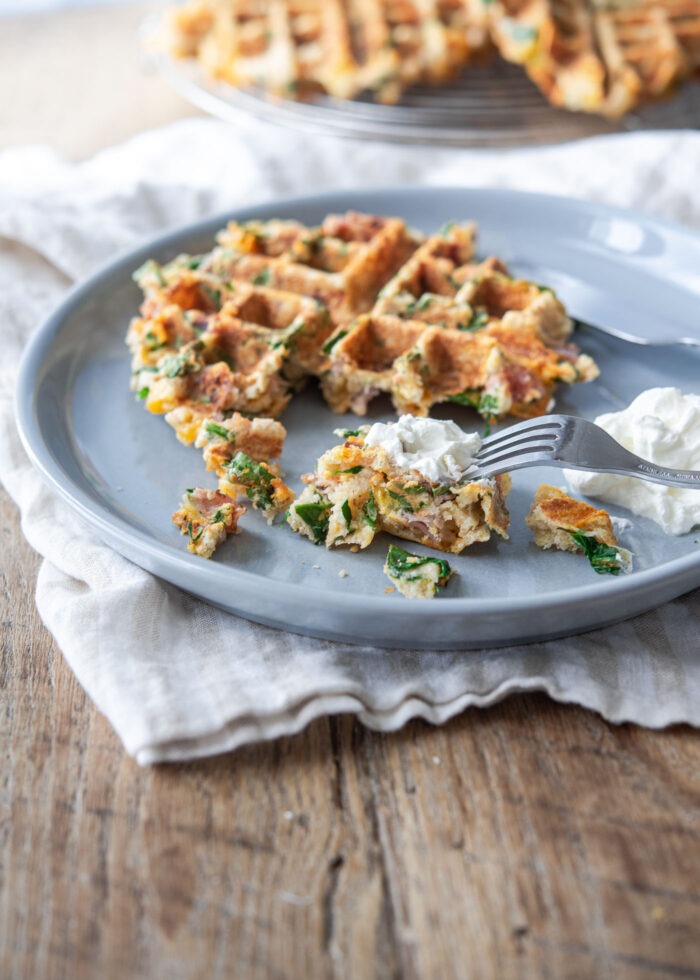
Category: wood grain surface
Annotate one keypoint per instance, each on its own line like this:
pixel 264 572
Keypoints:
pixel 527 840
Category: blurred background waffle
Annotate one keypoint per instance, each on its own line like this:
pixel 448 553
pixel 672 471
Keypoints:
pixel 454 72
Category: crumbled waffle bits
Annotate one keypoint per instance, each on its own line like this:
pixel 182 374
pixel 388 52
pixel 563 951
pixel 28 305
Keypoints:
pixel 207 517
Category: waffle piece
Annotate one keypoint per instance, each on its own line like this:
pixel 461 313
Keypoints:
pixel 359 490
pixel 260 482
pixel 497 344
pixel 293 48
pixel 207 517
pixel 239 450
pixel 220 439
pixel 232 330
pixel 560 521
pixel 342 263
pixel 233 366
pixel 429 273
pixel 416 576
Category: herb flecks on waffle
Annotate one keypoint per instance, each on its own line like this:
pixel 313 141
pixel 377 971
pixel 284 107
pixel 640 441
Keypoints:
pixel 360 302
pixel 358 491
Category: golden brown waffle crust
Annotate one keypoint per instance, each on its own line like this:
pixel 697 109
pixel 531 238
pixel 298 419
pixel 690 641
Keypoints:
pixel 361 302
pixel 555 515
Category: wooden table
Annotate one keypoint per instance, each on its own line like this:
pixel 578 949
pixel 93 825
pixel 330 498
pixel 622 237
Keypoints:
pixel 528 840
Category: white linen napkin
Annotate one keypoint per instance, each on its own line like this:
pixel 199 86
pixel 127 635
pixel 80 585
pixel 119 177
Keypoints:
pixel 179 679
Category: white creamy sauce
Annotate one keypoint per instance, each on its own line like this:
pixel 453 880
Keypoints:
pixel 438 450
pixel 661 425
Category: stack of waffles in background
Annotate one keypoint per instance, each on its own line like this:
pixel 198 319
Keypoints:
pixel 297 47
pixel 363 303
pixel 602 56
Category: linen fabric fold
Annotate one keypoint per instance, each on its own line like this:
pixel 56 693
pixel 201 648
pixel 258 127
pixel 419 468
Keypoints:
pixel 179 679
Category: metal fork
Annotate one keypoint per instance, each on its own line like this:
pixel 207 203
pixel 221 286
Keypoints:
pixel 566 441
pixel 646 332
pixel 649 332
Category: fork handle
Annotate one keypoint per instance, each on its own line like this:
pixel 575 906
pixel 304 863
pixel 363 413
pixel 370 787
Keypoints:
pixel 671 478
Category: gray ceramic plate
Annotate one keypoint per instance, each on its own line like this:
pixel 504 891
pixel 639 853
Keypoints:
pixel 124 471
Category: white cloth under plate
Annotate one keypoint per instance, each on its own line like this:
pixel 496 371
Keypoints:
pixel 177 678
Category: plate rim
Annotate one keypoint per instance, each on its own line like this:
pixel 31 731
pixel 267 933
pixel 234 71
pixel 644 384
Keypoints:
pixel 111 524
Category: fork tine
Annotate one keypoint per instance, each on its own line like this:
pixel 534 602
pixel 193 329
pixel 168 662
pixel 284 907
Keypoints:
pixel 525 444
pixel 547 423
pixel 512 458
pixel 533 437
pixel 506 464
pixel 545 441
pixel 524 450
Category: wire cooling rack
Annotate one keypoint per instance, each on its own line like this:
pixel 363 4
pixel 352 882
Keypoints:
pixel 493 104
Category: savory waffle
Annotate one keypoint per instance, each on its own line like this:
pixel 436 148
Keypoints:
pixel 366 305
pixel 240 328
pixel 341 47
pixel 560 521
pixel 602 56
pixel 357 491
pixel 481 339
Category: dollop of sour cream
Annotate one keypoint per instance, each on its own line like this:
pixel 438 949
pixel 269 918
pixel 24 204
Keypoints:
pixel 663 426
pixel 439 450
